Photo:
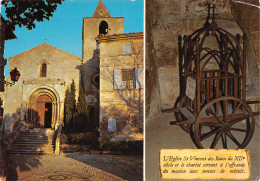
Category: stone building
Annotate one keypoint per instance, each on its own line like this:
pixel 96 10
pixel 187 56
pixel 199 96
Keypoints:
pixel 121 86
pixel 46 73
pixel 100 23
pixel 165 21
pixel 38 97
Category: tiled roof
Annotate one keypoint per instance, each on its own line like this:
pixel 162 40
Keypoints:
pixel 119 36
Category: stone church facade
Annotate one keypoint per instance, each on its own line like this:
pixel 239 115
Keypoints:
pixel 37 99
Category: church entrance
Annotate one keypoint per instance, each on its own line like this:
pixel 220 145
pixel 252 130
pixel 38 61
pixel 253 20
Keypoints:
pixel 44 111
pixel 43 108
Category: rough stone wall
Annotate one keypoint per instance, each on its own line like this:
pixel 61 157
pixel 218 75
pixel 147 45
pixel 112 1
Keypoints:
pixel 247 16
pixel 165 21
pixel 91 31
pixel 62 68
pixel 125 105
pixel 91 49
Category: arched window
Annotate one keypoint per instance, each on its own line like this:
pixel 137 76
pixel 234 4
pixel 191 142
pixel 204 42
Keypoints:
pixel 95 80
pixel 43 70
pixel 103 27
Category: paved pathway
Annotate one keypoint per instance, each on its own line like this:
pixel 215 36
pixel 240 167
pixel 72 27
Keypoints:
pixel 76 166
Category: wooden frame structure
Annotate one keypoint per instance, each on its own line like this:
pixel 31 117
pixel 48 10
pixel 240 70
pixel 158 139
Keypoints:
pixel 212 105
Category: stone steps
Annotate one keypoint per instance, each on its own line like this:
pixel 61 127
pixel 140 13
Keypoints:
pixel 35 134
pixel 50 149
pixel 29 152
pixel 34 142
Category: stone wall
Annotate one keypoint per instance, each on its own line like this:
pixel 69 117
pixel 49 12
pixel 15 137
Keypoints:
pixel 247 17
pixel 123 104
pixel 91 53
pixel 91 49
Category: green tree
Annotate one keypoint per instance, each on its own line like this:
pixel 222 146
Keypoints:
pixel 66 114
pixel 82 105
pixel 82 111
pixel 26 12
pixel 70 106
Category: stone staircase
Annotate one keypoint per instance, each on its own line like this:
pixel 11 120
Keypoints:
pixel 34 142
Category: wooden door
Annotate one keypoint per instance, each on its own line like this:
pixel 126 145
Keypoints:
pixel 41 110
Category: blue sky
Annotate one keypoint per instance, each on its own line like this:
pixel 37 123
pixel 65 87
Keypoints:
pixel 64 29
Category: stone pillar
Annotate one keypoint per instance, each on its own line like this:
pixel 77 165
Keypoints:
pixel 54 115
pixel 23 117
pixel 61 111
pixel 23 112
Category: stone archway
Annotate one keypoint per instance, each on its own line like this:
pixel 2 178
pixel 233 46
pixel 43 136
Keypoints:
pixel 42 110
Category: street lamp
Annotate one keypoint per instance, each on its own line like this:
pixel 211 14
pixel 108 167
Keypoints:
pixel 15 75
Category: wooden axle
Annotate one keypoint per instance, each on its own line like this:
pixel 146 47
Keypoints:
pixel 170 110
pixel 182 122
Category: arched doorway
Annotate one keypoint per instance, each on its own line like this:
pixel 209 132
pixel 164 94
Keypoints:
pixel 43 108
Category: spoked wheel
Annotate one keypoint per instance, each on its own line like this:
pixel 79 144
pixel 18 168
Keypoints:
pixel 224 122
pixel 180 104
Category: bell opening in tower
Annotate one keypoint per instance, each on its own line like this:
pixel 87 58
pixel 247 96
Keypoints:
pixel 103 27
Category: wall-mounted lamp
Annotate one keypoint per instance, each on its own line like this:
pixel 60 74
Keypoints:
pixel 15 75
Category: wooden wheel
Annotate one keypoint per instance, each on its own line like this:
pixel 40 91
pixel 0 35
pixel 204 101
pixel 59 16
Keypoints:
pixel 180 104
pixel 224 122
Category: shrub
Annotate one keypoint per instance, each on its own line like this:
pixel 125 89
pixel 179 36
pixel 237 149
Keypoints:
pixel 123 147
pixel 64 138
pixel 88 138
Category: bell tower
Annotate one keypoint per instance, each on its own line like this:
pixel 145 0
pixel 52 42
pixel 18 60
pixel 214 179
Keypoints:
pixel 100 23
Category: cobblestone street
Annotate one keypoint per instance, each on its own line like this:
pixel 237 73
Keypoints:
pixel 75 166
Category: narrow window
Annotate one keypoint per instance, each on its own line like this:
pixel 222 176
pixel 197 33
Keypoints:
pixel 128 79
pixel 103 27
pixel 43 70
